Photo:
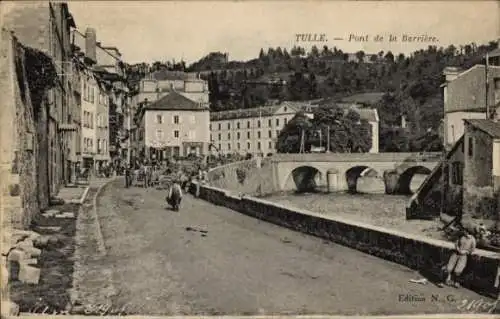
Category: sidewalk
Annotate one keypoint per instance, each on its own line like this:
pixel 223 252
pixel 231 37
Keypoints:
pixel 45 275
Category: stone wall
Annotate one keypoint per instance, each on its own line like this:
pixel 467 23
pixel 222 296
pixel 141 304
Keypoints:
pixel 420 253
pixel 20 137
pixel 244 177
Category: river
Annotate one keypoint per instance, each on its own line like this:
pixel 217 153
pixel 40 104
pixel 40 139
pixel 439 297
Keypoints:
pixel 370 205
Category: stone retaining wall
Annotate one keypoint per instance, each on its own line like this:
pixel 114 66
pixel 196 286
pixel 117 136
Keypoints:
pixel 420 253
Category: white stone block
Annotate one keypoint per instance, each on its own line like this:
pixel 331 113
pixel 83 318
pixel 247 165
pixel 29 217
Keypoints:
pixel 50 213
pixel 29 274
pixel 29 249
pixel 49 229
pixel 10 308
pixel 30 261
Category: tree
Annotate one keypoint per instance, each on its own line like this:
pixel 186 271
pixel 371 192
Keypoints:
pixel 360 56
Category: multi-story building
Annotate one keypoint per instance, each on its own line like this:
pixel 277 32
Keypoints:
pixel 46 26
pixel 466 97
pixel 105 96
pixel 250 131
pixel 159 84
pixel 172 126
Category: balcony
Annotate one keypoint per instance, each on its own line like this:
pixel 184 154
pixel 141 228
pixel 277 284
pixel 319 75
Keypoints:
pixel 68 127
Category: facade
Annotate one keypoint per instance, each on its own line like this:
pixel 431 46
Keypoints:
pixel 250 131
pixel 173 126
pixel 371 116
pixel 46 26
pixel 481 171
pixel 465 98
pixel 105 97
pixel 161 83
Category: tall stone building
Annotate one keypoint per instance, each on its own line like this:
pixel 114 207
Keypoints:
pixel 46 26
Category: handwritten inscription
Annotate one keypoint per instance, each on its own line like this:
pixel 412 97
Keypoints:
pixel 477 306
pixel 363 38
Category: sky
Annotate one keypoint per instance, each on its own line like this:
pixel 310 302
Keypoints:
pixel 164 30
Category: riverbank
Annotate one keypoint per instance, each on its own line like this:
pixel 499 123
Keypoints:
pixel 374 209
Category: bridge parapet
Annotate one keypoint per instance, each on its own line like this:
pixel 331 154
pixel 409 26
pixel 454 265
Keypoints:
pixel 357 157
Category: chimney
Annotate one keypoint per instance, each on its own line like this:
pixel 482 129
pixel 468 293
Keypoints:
pixel 451 73
pixel 90 44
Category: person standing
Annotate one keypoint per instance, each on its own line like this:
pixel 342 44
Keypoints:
pixel 128 172
pixel 464 247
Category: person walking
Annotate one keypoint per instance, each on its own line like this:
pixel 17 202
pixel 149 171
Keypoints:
pixel 464 247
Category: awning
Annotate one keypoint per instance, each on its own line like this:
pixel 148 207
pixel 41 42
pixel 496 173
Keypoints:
pixel 68 127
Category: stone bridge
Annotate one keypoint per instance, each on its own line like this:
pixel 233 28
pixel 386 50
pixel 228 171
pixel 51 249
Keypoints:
pixel 308 171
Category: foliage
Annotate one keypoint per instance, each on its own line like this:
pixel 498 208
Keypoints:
pixel 348 132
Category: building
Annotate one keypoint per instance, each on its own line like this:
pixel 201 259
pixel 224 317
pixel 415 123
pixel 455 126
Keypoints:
pixel 251 131
pixel 159 84
pixel 46 26
pixel 173 126
pixel 104 99
pixel 481 170
pixel 466 96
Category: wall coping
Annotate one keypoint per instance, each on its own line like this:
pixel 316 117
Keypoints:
pixel 415 237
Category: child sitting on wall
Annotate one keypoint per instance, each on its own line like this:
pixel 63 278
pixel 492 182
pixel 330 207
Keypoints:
pixel 464 246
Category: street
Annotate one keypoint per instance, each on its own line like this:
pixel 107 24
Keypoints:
pixel 211 260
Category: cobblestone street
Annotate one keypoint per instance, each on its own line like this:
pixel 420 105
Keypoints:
pixel 207 259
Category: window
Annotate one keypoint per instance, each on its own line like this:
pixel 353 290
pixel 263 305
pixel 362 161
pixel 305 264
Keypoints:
pixel 457 173
pixel 228 136
pixel 159 119
pixel 258 123
pixel 219 136
pixel 176 134
pixel 258 134
pixel 270 134
pixel 248 135
pixel 219 127
pixel 219 147
pixel 270 145
pixel 248 124
pixel 286 121
pixel 210 126
pixel 270 123
pixel 238 125
pixel 159 134
pixel 471 146
pixel 248 145
pixel 258 145
pixel 192 134
pixel 277 133
pixel 238 145
pixel 238 135
pixel 211 137
pixel 176 119
pixel 285 109
pixel 277 122
pixel 228 126
pixel 229 146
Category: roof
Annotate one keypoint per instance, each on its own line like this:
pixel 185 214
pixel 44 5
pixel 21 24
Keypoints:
pixel 249 113
pixel 364 98
pixel 370 115
pixel 490 127
pixel 175 101
pixel 494 53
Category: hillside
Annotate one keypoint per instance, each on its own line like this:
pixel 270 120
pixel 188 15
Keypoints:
pixel 411 83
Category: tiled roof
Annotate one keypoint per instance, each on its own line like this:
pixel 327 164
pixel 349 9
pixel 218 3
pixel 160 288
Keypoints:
pixel 490 127
pixel 175 101
pixel 244 113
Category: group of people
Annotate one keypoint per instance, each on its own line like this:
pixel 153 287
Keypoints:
pixel 176 179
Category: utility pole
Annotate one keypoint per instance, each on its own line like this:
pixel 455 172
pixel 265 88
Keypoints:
pixel 487 87
pixel 328 139
pixel 302 143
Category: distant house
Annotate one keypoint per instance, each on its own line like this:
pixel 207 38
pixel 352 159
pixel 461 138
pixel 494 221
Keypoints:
pixel 481 171
pixel 173 126
pixel 465 97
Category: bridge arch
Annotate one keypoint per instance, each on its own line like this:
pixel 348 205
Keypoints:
pixel 405 178
pixel 305 178
pixel 354 173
